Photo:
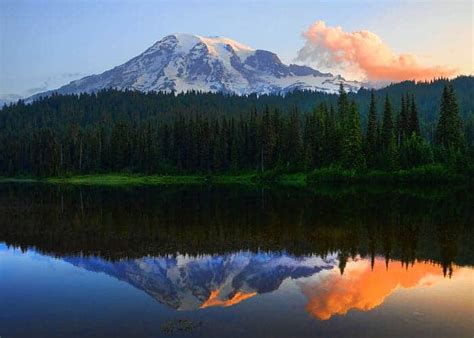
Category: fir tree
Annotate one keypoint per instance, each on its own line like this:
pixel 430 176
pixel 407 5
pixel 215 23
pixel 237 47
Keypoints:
pixel 293 142
pixel 371 136
pixel 387 124
pixel 388 142
pixel 343 104
pixel 402 125
pixel 332 135
pixel 160 133
pixel 415 152
pixel 352 142
pixel 268 140
pixel 413 123
pixel 449 131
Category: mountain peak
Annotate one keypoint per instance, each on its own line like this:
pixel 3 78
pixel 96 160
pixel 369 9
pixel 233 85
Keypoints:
pixel 215 41
pixel 214 44
pixel 182 62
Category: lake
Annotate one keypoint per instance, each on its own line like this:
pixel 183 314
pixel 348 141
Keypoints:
pixel 235 261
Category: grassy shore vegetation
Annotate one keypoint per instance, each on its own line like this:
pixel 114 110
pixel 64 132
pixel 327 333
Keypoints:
pixel 125 179
pixel 433 175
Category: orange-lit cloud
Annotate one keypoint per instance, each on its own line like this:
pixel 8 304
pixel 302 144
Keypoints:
pixel 214 300
pixel 365 53
pixel 364 289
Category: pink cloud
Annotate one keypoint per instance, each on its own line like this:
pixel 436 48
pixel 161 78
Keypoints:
pixel 364 52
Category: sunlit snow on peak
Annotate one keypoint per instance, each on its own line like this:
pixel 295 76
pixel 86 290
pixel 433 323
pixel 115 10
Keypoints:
pixel 183 62
pixel 214 44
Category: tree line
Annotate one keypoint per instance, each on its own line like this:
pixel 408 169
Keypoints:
pixel 269 138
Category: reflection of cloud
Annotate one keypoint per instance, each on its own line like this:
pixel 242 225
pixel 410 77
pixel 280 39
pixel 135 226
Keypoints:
pixel 363 52
pixel 363 289
pixel 214 300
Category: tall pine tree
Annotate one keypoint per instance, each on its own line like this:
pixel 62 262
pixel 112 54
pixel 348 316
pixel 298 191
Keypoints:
pixel 352 157
pixel 413 123
pixel 402 125
pixel 449 132
pixel 389 148
pixel 371 136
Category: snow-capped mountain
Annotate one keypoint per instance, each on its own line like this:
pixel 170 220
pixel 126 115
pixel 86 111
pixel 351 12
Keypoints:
pixel 188 283
pixel 182 62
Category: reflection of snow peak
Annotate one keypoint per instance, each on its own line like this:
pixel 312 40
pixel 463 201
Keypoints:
pixel 362 288
pixel 187 283
pixel 236 299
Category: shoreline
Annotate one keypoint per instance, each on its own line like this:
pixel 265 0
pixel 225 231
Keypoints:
pixel 120 179
pixel 433 175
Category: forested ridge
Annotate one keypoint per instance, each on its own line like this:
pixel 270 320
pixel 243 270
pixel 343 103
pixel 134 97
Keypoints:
pixel 401 126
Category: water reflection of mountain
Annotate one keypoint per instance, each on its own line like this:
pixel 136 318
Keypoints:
pixel 188 283
pixel 191 283
pixel 159 221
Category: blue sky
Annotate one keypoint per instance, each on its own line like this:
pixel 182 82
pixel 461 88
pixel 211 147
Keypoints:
pixel 45 44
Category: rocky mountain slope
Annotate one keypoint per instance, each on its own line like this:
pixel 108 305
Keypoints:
pixel 182 62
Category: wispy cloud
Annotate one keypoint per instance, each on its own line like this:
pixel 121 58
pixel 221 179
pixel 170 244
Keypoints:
pixel 7 98
pixel 363 52
pixel 34 90
pixel 71 75
pixel 52 82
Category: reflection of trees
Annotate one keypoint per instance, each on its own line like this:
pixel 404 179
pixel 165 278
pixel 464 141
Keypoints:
pixel 116 223
pixel 448 232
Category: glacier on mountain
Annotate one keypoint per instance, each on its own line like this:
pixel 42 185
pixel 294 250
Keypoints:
pixel 183 62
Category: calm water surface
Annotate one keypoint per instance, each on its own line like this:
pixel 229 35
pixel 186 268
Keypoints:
pixel 235 262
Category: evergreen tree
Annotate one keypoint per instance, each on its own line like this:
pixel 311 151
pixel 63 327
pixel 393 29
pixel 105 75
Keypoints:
pixel 352 157
pixel 252 143
pixel 413 123
pixel 415 152
pixel 206 132
pixel 268 140
pixel 319 135
pixel 332 138
pixel 309 141
pixel 469 135
pixel 387 124
pixel 371 136
pixel 292 141
pixel 119 145
pixel 343 103
pixel 449 131
pixel 388 142
pixel 402 125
